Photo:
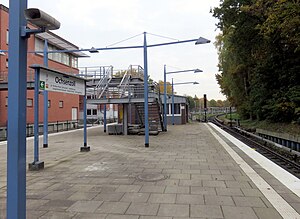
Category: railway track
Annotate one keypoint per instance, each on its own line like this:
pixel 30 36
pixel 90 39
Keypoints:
pixel 288 161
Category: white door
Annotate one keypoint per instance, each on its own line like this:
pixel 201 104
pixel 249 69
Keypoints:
pixel 74 113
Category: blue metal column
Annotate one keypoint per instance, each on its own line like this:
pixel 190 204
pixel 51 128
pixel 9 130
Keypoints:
pixel 104 115
pixel 146 92
pixel 165 99
pixel 36 115
pixel 45 126
pixel 173 103
pixel 36 164
pixel 16 142
pixel 130 113
pixel 85 148
pixel 84 122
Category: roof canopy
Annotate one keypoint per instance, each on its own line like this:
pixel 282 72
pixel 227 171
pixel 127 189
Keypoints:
pixel 60 43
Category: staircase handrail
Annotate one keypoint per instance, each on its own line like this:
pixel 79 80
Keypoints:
pixel 103 83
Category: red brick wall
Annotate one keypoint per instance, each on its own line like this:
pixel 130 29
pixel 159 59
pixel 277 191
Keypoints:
pixel 55 113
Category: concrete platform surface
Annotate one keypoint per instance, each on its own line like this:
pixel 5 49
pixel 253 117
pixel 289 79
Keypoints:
pixel 187 172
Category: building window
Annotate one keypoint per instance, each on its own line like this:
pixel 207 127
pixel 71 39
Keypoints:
pixel 29 102
pixel 94 112
pixel 6 63
pixel 65 58
pixel 176 108
pixel 61 104
pixel 74 62
pixel 49 103
pixel 89 112
pixel 6 101
pixel 39 45
pixel 7 37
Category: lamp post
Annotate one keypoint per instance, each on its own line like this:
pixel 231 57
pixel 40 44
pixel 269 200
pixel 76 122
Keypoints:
pixel 173 107
pixel 165 89
pixel 45 126
pixel 16 142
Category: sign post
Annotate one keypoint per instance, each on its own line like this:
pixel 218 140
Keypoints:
pixel 36 164
pixel 47 79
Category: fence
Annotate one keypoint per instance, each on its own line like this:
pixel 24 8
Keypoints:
pixel 52 127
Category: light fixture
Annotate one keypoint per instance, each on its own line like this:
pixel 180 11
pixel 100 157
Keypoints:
pixel 202 40
pixel 197 70
pixel 93 50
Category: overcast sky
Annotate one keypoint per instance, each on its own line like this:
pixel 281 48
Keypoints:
pixel 100 23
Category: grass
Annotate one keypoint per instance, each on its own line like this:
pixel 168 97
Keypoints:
pixel 290 128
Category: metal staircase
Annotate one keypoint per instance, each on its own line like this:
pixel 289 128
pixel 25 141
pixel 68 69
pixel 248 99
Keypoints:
pixel 154 116
pixel 129 89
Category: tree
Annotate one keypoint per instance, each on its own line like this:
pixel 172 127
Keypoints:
pixel 220 103
pixel 191 102
pixel 212 103
pixel 161 87
pixel 133 72
pixel 259 56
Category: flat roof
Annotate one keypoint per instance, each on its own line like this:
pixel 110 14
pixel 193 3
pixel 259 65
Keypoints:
pixel 61 43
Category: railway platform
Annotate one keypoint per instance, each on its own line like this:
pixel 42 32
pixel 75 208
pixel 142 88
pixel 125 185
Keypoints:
pixel 191 171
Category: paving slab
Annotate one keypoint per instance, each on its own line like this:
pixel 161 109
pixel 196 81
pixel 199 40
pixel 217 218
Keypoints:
pixel 162 198
pixel 209 211
pixel 89 216
pixel 189 199
pixel 113 207
pixel 85 206
pixel 234 212
pixel 135 197
pixel 172 210
pixel 143 209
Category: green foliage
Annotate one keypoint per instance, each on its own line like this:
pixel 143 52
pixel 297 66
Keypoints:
pixel 259 57
pixel 196 103
pixel 212 103
pixel 134 73
pixel 168 85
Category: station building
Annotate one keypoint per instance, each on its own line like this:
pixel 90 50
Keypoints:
pixel 61 107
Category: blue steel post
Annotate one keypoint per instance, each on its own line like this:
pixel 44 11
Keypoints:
pixel 146 92
pixel 165 98
pixel 85 148
pixel 36 115
pixel 16 142
pixel 84 122
pixel 173 103
pixel 45 126
pixel 36 164
pixel 104 115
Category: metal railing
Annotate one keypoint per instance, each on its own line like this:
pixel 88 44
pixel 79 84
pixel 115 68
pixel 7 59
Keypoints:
pixel 57 126
pixel 96 72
